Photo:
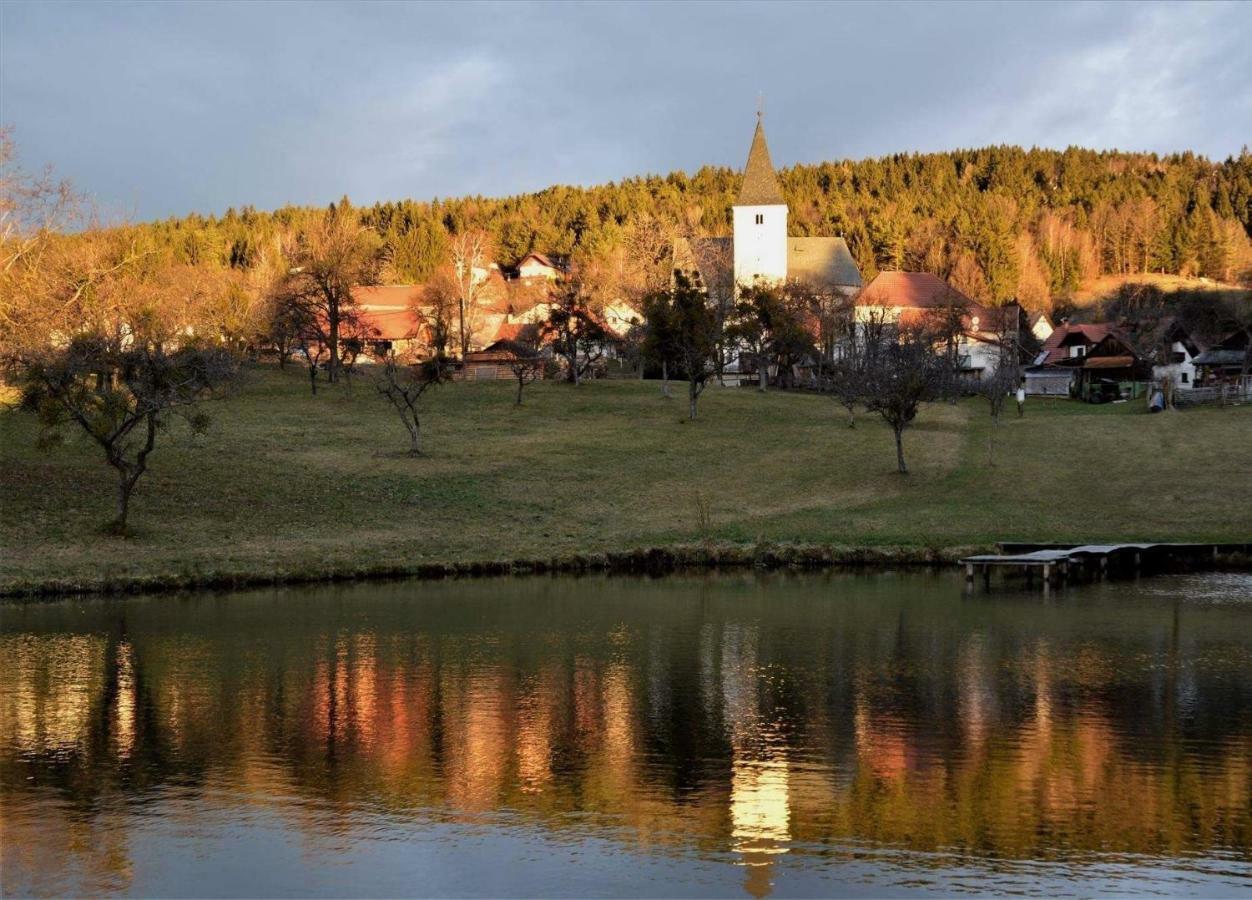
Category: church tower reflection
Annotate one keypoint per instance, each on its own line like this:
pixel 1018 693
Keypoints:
pixel 760 802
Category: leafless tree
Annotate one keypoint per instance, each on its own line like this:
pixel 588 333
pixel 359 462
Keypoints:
pixel 526 363
pixel 471 255
pixel 1005 377
pixel 860 335
pixel 901 374
pixel 403 386
pixel 327 261
pixel 121 386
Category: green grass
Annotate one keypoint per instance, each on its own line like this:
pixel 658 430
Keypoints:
pixel 286 485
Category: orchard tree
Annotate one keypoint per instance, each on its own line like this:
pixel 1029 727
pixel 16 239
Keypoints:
pixel 900 374
pixel 326 262
pixel 117 354
pixel 694 327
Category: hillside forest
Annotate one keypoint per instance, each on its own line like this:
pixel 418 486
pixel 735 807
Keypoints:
pixel 997 222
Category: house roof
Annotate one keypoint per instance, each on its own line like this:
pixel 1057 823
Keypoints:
pixel 826 260
pixel 760 183
pixel 911 290
pixel 543 260
pixel 1085 334
pixel 388 312
pixel 1220 357
pixel 1056 347
pixel 518 332
pixel 387 295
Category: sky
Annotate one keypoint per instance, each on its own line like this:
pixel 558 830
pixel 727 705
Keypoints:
pixel 158 109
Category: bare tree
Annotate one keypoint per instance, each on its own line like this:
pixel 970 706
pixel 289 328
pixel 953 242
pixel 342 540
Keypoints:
pixel 327 261
pixel 526 362
pixel 859 337
pixel 471 255
pixel 901 374
pixel 403 386
pixel 126 360
pixel 1006 375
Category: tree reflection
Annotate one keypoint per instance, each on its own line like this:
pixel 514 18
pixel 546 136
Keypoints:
pixel 755 718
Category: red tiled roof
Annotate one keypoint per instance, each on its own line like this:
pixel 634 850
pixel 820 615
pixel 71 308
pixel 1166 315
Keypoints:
pixel 518 331
pixel 396 295
pixel 388 311
pixel 910 290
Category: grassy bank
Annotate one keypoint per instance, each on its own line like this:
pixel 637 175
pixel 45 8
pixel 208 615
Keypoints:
pixel 290 486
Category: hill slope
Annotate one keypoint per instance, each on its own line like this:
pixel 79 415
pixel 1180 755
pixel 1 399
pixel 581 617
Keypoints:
pixel 289 484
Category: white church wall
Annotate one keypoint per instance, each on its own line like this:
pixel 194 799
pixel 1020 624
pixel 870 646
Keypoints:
pixel 760 243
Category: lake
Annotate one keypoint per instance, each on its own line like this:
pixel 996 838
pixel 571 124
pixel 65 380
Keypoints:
pixel 709 735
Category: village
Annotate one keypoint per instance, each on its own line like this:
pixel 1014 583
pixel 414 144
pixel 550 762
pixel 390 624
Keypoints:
pixel 450 450
pixel 505 319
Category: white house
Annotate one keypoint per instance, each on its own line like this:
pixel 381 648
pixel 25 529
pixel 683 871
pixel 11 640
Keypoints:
pixel 1180 365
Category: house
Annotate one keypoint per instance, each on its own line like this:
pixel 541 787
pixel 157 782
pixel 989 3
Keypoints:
pixel 760 249
pixel 539 266
pixel 387 318
pixel 904 297
pixel 1224 363
pixel 1111 369
pixel 1046 376
pixel 1177 357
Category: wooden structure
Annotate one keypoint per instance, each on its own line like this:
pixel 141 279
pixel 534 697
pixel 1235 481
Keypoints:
pixel 1061 562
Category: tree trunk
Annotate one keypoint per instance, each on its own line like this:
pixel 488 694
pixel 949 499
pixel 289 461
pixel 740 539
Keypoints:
pixel 332 371
pixel 415 438
pixel 520 385
pixel 899 433
pixel 693 395
pixel 762 372
pixel 665 379
pixel 313 377
pixel 125 486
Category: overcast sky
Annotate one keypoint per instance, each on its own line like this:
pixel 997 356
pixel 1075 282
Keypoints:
pixel 159 109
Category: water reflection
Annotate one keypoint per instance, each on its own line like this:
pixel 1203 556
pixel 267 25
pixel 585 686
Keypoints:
pixel 758 731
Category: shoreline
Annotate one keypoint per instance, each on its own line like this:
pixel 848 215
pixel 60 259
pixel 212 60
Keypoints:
pixel 763 556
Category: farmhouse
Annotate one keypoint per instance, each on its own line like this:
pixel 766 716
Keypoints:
pixel 912 296
pixel 1046 377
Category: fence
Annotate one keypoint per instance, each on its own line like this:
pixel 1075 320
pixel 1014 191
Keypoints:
pixel 1218 393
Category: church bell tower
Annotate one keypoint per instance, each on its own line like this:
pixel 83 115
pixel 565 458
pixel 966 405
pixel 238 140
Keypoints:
pixel 760 219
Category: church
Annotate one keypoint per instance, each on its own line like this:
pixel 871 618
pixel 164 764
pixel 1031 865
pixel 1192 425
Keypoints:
pixel 761 251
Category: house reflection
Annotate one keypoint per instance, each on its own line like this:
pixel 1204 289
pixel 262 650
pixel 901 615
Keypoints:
pixel 716 733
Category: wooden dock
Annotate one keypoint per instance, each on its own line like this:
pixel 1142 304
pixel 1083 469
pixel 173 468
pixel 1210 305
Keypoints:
pixel 1061 562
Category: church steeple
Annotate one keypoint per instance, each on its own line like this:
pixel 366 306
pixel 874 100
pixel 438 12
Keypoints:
pixel 760 219
pixel 760 184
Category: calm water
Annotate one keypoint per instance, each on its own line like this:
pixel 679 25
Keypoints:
pixel 842 734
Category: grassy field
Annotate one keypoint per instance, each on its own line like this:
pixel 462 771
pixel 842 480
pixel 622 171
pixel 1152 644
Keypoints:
pixel 1104 287
pixel 286 485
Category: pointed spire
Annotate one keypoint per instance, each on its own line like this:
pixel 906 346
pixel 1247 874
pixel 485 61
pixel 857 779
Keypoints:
pixel 760 184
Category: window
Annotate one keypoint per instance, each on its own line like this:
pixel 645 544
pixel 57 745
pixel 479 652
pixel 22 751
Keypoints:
pixel 1182 376
pixel 760 218
pixel 1077 350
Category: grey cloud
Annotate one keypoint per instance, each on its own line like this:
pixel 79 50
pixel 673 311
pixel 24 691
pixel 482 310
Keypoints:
pixel 163 109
